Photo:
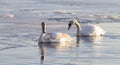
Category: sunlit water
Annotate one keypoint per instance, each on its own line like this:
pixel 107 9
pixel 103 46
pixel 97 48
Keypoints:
pixel 20 27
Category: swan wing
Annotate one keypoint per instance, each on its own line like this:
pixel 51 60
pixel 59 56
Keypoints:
pixel 56 37
pixel 63 37
pixel 91 30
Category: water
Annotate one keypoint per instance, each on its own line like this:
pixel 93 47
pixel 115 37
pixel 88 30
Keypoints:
pixel 20 27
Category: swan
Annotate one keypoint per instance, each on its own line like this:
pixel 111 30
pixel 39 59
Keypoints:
pixel 88 30
pixel 53 37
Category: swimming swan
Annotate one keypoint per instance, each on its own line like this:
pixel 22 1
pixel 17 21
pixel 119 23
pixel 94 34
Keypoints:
pixel 88 30
pixel 53 37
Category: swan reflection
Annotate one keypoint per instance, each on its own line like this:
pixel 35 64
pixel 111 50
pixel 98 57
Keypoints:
pixel 47 45
pixel 92 39
pixel 87 39
pixel 77 40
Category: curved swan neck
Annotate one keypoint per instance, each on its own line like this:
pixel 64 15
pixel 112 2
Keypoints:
pixel 78 28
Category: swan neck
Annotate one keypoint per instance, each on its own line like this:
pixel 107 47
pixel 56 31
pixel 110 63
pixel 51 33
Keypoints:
pixel 78 28
pixel 44 29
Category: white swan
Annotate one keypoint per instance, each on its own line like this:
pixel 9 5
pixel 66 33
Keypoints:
pixel 87 29
pixel 53 37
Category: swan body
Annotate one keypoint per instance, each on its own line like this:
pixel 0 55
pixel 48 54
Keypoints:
pixel 53 37
pixel 87 29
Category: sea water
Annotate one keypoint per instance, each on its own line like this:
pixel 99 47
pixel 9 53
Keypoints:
pixel 20 28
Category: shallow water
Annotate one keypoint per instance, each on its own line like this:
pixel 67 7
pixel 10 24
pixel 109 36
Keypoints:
pixel 19 34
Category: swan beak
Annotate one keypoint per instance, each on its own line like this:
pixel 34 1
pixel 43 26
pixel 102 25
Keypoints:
pixel 69 26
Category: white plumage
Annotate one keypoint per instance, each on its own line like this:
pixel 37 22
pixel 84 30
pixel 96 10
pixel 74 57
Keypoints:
pixel 53 37
pixel 87 29
pixel 91 30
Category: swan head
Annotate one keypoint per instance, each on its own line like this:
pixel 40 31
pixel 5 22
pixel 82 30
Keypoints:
pixel 43 24
pixel 73 22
